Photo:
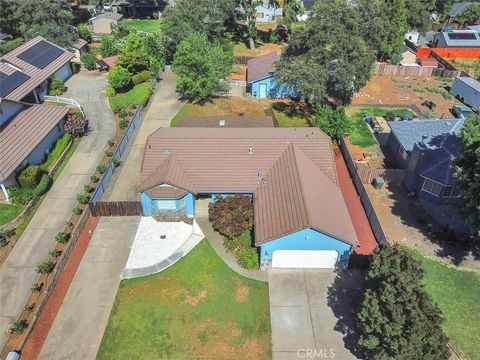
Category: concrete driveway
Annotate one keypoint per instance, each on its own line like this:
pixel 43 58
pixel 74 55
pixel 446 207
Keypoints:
pixel 310 314
pixel 18 274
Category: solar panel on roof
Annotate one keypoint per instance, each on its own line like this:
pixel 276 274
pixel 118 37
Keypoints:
pixel 41 54
pixel 462 36
pixel 8 83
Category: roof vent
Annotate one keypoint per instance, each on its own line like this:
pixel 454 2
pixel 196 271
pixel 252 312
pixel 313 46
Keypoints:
pixel 250 151
pixel 259 174
pixel 167 152
pixel 263 182
pixel 424 137
pixel 221 123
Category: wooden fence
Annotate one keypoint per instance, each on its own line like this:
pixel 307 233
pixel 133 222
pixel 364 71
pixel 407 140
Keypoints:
pixel 367 175
pixel 413 71
pixel 116 208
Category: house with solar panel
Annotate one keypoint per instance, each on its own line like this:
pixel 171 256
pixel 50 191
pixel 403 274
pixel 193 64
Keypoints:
pixel 457 39
pixel 29 129
pixel 300 216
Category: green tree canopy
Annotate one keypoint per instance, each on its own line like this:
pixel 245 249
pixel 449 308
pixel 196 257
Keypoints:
pixel 418 14
pixel 200 66
pixel 397 319
pixel 334 122
pixel 108 46
pixel 84 32
pixel 322 60
pixel 119 78
pixel 470 14
pixel 467 170
pixel 133 55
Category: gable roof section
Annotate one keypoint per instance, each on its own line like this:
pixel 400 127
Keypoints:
pixel 261 67
pixel 461 38
pixel 36 74
pixel 24 132
pixel 228 121
pixel 471 82
pixel 297 165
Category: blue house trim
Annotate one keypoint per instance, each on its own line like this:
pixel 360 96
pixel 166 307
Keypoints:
pixel 184 203
pixel 266 88
pixel 308 239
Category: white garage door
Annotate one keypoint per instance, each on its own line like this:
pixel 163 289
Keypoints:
pixel 320 259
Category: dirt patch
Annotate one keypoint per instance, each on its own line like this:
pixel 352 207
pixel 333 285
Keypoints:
pixel 232 107
pixel 194 299
pixel 242 292
pixel 391 90
pixel 259 50
pixel 237 75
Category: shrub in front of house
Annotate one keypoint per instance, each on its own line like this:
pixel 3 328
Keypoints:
pixel 83 198
pixel 88 188
pixel 101 169
pixel 77 211
pixel 30 176
pixel 248 258
pixel 116 162
pixel 231 215
pixel 119 78
pixel 19 326
pixel 93 179
pixel 45 267
pixel 110 91
pixel 88 59
pixel 55 253
pixel 122 124
pixel 141 77
pixel 43 185
pixel 57 87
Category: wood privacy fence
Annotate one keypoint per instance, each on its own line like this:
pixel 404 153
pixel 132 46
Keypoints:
pixel 116 208
pixel 413 71
pixel 377 229
pixel 367 175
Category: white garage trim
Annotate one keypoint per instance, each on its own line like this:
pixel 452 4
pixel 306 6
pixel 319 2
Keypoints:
pixel 320 259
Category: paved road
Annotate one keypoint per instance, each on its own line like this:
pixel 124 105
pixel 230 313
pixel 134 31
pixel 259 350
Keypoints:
pixel 164 105
pixel 78 328
pixel 18 272
pixel 304 311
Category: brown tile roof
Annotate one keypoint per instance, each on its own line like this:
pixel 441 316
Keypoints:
pixel 24 132
pixel 261 67
pixel 37 76
pixel 110 61
pixel 165 192
pixel 80 43
pixel 229 121
pixel 297 165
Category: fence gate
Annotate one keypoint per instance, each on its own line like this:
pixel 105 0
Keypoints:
pixel 116 208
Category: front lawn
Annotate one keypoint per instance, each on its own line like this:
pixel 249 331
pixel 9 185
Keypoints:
pixel 132 98
pixel 286 120
pixel 196 309
pixel 145 25
pixel 457 293
pixel 291 114
pixel 359 133
pixel 8 212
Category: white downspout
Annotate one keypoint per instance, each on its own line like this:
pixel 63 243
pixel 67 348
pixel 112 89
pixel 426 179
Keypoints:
pixel 5 192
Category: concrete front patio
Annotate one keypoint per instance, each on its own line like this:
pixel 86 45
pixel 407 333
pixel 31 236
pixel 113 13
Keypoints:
pixel 305 315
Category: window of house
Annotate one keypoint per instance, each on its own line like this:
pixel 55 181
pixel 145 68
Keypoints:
pixel 181 203
pixel 450 191
pixel 432 187
pixel 165 204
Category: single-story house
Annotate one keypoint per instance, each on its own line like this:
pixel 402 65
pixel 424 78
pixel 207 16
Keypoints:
pixel 26 72
pixel 78 48
pixel 300 216
pixel 266 12
pixel 226 121
pixel 426 150
pixel 260 77
pixel 137 8
pixel 457 39
pixel 467 89
pixel 102 24
pixel 106 63
pixel 27 134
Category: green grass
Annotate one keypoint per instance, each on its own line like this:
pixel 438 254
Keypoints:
pixel 64 163
pixel 145 25
pixel 286 120
pixel 359 133
pixel 131 98
pixel 8 212
pixel 196 309
pixel 186 110
pixel 59 147
pixel 457 293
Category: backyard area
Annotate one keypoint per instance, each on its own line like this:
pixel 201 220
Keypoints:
pixel 145 25
pixel 470 66
pixel 240 49
pixel 289 114
pixel 408 91
pixel 456 293
pixel 137 95
pixel 198 308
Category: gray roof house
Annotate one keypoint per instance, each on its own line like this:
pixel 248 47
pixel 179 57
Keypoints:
pixel 426 150
pixel 457 39
pixel 467 89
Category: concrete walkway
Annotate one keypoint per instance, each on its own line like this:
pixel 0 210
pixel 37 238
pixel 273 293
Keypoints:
pixel 78 328
pixel 17 274
pixel 163 107
pixel 201 216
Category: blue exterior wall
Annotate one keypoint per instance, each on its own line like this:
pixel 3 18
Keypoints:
pixel 41 150
pixel 298 241
pixel 149 204
pixel 272 92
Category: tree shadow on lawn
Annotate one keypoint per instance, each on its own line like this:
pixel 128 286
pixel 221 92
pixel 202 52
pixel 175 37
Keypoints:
pixel 344 297
pixel 293 108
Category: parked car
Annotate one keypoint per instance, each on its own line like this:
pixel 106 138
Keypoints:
pixel 462 111
pixel 430 104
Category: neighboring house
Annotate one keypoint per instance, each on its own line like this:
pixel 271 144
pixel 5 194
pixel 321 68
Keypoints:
pixel 137 8
pixel 457 39
pixel 467 89
pixel 426 150
pixel 226 121
pixel 27 133
pixel 300 216
pixel 102 24
pixel 474 28
pixel 412 36
pixel 266 12
pixel 79 48
pixel 26 72
pixel 260 77
pixel 106 63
